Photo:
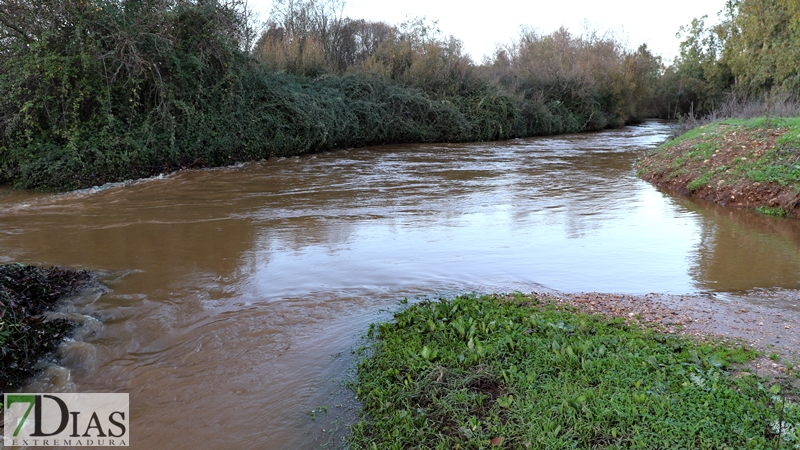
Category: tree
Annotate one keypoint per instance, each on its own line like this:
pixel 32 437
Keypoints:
pixel 764 51
pixel 299 35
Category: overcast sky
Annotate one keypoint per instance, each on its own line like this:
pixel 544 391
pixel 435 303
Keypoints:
pixel 482 25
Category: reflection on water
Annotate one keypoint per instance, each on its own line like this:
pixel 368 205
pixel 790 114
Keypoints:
pixel 236 294
pixel 741 250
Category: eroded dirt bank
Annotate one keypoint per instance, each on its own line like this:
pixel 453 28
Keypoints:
pixel 752 164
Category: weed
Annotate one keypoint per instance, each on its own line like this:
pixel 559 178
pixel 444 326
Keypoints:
pixel 772 211
pixel 523 372
pixel 320 410
pixel 700 182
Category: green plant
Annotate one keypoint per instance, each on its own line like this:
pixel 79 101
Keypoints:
pixel 700 182
pixel 524 372
pixel 776 211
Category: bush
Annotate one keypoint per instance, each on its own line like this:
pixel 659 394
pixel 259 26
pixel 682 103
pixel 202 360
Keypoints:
pixel 100 91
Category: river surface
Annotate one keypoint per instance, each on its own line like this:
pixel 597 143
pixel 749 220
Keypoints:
pixel 236 295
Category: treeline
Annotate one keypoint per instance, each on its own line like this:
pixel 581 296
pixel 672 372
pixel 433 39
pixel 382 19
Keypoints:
pixel 100 91
pixel 554 83
pixel 750 58
pixel 97 91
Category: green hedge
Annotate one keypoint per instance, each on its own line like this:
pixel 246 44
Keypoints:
pixel 108 91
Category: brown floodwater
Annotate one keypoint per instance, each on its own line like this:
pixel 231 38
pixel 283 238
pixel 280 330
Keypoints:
pixel 236 295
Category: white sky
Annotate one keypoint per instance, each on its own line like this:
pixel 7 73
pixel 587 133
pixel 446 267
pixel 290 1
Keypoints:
pixel 482 25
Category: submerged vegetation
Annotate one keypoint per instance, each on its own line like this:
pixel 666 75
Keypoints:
pixel 26 292
pixel 520 372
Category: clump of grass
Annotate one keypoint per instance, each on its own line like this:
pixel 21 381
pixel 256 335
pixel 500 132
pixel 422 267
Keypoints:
pixel 776 211
pixel 25 293
pixel 781 165
pixel 700 182
pixel 519 372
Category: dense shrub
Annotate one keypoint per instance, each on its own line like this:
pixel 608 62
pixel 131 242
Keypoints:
pixel 551 83
pixel 105 90
pixel 569 83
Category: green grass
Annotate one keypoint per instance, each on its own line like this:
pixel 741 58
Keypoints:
pixel 758 164
pixel 781 165
pixel 518 372
pixel 714 131
pixel 712 139
pixel 700 182
pixel 772 211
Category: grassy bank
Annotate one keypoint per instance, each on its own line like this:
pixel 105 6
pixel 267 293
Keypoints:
pixel 25 293
pixel 751 163
pixel 520 372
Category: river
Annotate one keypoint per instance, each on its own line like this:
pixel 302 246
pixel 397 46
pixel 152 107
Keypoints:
pixel 236 295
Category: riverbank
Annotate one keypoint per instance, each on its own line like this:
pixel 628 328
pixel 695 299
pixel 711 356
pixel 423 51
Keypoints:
pixel 26 292
pixel 127 99
pixel 545 370
pixel 744 163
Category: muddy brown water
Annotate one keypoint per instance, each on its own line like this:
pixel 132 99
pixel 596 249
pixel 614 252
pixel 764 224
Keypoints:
pixel 236 295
